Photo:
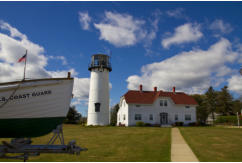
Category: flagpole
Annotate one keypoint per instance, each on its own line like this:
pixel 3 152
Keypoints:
pixel 25 64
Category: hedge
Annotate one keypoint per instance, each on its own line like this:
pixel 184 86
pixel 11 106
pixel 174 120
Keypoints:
pixel 140 123
pixel 228 120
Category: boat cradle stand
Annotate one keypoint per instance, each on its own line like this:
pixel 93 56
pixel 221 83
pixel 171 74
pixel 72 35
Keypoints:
pixel 24 148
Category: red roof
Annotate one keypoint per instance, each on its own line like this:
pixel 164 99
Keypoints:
pixel 148 97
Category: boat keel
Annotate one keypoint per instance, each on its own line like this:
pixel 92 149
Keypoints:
pixel 24 148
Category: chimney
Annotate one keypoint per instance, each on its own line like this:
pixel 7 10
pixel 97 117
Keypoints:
pixel 69 75
pixel 174 89
pixel 155 89
pixel 140 87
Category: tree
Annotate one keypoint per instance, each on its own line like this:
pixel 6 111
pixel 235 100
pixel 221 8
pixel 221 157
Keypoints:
pixel 240 98
pixel 237 106
pixel 210 101
pixel 114 112
pixel 202 112
pixel 73 116
pixel 225 102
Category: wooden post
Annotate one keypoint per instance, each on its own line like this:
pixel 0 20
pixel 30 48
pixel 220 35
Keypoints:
pixel 238 119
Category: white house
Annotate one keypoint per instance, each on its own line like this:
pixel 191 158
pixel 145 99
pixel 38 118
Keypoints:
pixel 156 107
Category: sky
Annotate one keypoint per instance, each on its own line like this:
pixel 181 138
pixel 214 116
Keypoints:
pixel 189 45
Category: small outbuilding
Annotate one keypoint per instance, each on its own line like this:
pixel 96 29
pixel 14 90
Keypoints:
pixel 156 107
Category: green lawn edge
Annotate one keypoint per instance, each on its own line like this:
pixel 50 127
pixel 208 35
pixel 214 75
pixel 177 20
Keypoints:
pixel 214 144
pixel 111 144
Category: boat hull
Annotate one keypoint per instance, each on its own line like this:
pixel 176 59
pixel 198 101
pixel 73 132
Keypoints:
pixel 34 108
pixel 28 127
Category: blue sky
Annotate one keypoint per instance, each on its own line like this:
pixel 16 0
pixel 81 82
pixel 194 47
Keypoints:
pixel 190 45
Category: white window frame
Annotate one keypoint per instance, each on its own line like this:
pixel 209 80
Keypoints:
pixel 186 117
pixel 138 117
pixel 151 118
pixel 176 117
pixel 161 103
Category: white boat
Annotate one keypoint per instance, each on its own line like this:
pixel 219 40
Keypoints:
pixel 32 108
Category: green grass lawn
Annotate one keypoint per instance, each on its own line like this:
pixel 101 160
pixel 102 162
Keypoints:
pixel 214 144
pixel 112 144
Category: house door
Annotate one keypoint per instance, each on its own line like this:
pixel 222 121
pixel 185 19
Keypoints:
pixel 163 118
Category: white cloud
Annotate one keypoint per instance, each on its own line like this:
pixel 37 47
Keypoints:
pixel 59 74
pixel 13 31
pixel 221 26
pixel 62 58
pixel 183 34
pixel 13 46
pixel 151 35
pixel 177 13
pixel 121 29
pixel 12 49
pixel 85 20
pixel 81 90
pixel 235 84
pixel 191 72
pixel 239 49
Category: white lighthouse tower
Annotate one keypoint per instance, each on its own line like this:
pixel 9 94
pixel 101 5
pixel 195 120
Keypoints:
pixel 98 106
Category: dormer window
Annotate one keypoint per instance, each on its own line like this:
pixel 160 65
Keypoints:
pixel 187 107
pixel 137 105
pixel 163 103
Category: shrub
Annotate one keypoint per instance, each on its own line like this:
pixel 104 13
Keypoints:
pixel 147 124
pixel 228 120
pixel 201 124
pixel 156 125
pixel 178 123
pixel 140 124
pixel 192 124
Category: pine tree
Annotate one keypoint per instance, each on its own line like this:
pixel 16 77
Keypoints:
pixel 201 109
pixel 210 101
pixel 237 106
pixel 114 112
pixel 73 116
pixel 225 102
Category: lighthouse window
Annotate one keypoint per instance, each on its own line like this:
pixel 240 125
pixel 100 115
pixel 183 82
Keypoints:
pixel 96 62
pixel 97 107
